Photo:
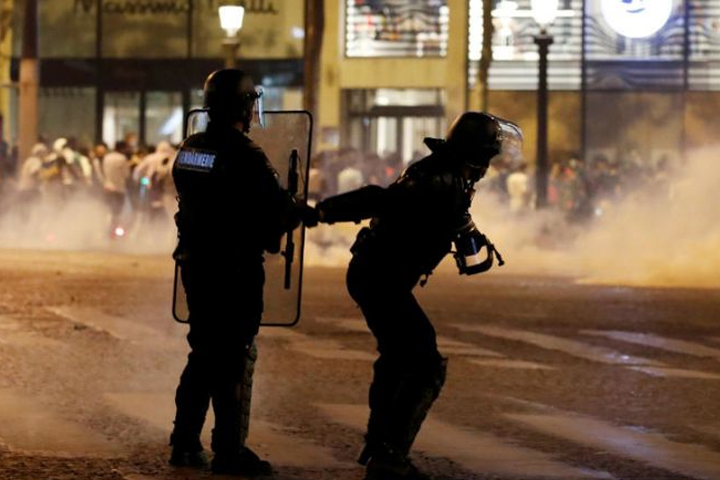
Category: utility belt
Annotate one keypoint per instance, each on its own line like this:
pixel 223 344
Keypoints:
pixel 392 254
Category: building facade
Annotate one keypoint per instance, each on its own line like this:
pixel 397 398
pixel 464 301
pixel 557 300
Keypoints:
pixel 623 75
pixel 110 67
pixel 391 71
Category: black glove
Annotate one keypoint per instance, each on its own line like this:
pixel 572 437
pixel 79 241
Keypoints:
pixel 308 215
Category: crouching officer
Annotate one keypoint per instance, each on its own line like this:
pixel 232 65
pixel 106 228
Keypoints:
pixel 231 210
pixel 414 223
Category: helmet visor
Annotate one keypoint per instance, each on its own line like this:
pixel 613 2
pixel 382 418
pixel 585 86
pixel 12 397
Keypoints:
pixel 258 115
pixel 510 140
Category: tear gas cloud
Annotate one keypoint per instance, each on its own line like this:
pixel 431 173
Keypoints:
pixel 647 238
pixel 82 223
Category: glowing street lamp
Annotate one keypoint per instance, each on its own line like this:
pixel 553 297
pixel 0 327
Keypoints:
pixel 231 20
pixel 544 12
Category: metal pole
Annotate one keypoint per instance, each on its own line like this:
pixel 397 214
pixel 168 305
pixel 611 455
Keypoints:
pixel 29 82
pixel 686 81
pixel 312 54
pixel 543 41
pixel 486 56
pixel 142 123
pixel 583 86
pixel 99 82
pixel 230 46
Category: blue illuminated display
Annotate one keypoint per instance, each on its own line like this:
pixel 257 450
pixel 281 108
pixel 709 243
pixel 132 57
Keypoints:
pixel 636 18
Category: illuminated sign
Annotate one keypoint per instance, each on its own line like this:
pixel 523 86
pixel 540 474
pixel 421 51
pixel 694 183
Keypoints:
pixel 160 7
pixel 636 18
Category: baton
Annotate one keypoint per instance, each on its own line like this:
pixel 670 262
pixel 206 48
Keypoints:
pixel 289 252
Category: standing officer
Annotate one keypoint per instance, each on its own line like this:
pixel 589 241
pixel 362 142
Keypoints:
pixel 415 221
pixel 231 210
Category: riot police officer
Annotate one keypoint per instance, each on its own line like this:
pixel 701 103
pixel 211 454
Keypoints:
pixel 414 224
pixel 231 210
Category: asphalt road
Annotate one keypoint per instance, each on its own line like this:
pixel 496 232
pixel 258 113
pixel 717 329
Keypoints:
pixel 547 379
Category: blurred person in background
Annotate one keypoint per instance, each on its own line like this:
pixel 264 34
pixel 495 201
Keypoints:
pixel 80 162
pixel 519 191
pixel 604 179
pixel 97 154
pixel 316 179
pixel 30 181
pixel 135 191
pixel 116 170
pixel 132 141
pixel 153 175
pixel 71 174
pixel 54 176
pixel 351 176
pixel 372 169
pixel 393 166
pixel 496 180
pixel 580 201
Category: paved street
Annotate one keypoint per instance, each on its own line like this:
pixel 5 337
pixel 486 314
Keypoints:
pixel 548 378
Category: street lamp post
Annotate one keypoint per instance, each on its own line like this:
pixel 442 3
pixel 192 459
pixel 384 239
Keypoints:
pixel 29 82
pixel 544 13
pixel 231 20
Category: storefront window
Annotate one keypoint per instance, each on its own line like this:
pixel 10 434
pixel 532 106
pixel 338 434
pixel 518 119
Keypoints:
pixel 163 117
pixel 393 28
pixel 391 123
pixel 121 116
pixel 704 36
pixel 67 112
pixel 515 55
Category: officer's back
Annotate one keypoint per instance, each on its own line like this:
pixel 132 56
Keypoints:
pixel 421 214
pixel 228 195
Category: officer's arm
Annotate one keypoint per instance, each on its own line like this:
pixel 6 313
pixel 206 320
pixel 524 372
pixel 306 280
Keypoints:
pixel 354 206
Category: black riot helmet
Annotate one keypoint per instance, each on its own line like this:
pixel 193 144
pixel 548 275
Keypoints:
pixel 230 97
pixel 478 137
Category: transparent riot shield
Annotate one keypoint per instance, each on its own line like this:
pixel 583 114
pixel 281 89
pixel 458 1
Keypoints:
pixel 285 138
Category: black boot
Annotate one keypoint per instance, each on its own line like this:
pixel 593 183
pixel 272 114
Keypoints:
pixel 187 453
pixel 386 464
pixel 242 463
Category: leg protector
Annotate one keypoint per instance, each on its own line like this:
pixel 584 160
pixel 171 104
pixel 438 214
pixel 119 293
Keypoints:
pixel 231 403
pixel 399 405
pixel 415 398
pixel 383 392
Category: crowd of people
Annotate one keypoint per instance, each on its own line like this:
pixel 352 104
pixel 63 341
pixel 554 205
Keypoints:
pixel 132 182
pixel 578 189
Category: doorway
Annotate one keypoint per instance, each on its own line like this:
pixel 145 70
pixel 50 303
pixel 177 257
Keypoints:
pixel 153 116
pixel 393 122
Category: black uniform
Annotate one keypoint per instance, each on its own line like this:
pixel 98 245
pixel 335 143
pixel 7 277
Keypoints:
pixel 414 223
pixel 231 209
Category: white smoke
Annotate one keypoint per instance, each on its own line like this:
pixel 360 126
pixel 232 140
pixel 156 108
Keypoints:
pixel 646 239
pixel 82 224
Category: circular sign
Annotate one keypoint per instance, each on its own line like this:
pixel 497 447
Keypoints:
pixel 636 18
